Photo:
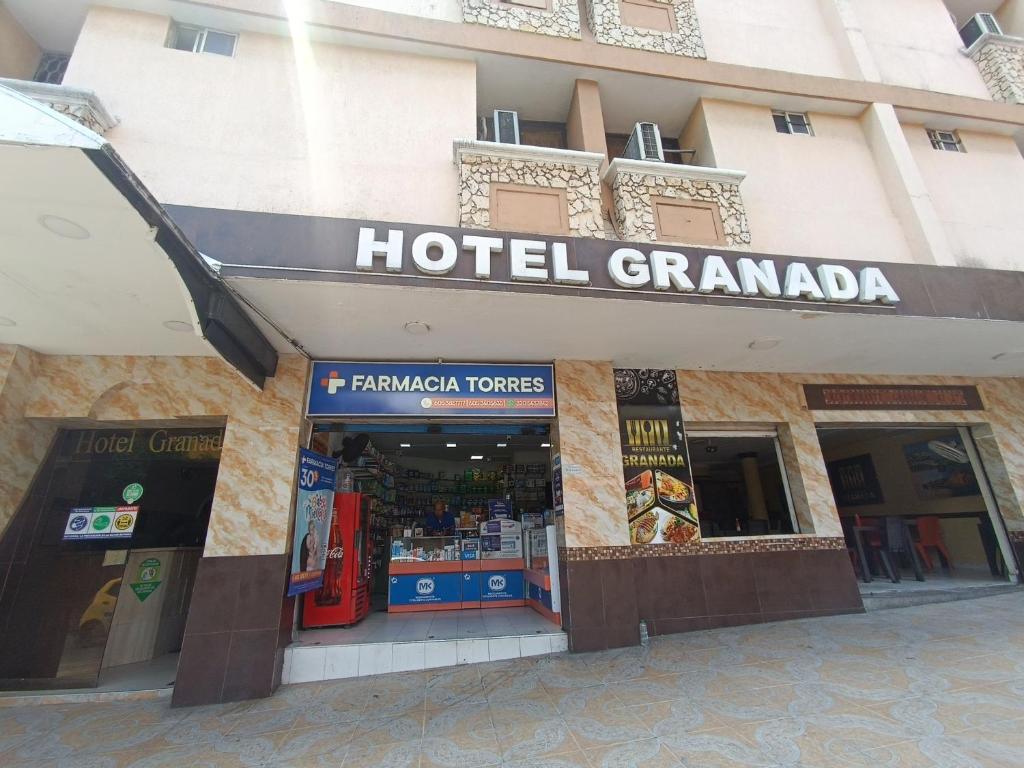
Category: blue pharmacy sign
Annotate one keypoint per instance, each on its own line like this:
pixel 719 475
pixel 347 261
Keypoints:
pixel 431 389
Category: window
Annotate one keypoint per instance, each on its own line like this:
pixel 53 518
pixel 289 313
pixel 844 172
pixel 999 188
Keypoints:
pixel 201 40
pixel 741 483
pixel 792 122
pixel 946 141
pixel 51 68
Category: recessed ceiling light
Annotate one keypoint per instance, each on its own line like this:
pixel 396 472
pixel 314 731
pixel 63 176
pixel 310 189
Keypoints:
pixel 6 322
pixel 1015 354
pixel 404 445
pixel 63 227
pixel 417 328
pixel 178 325
pixel 503 445
pixel 452 445
pixel 476 458
pixel 545 445
pixel 769 342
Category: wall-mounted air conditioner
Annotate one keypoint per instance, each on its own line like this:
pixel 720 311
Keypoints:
pixel 506 126
pixel 645 143
pixel 979 24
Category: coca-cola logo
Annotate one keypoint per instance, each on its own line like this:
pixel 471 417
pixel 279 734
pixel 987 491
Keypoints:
pixel 336 553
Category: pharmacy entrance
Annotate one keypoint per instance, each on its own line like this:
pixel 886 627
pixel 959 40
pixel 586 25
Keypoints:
pixel 442 547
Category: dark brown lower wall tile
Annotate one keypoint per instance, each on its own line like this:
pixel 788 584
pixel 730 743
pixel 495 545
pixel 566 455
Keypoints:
pixel 251 665
pixel 734 620
pixel 675 626
pixel 587 639
pixel 201 668
pixel 729 585
pixel 622 635
pixel 830 582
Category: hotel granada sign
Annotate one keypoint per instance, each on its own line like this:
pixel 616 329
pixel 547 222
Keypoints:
pixel 902 397
pixel 489 258
pixel 340 389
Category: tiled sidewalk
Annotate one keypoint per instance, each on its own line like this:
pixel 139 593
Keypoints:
pixel 938 685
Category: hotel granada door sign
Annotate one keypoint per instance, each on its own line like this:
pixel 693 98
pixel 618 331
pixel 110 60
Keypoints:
pixel 660 504
pixel 430 389
pixel 479 257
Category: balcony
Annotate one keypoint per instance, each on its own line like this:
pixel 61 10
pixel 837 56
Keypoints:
pixel 680 204
pixel 529 189
pixel 1000 59
pixel 558 18
pixel 80 105
pixel 665 26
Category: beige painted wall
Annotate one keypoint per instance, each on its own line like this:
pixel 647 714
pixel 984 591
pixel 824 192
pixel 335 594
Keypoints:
pixel 274 128
pixel 978 196
pixel 900 497
pixel 790 35
pixel 807 195
pixel 19 54
pixel 444 10
pixel 914 43
pixel 1011 17
pixel 696 136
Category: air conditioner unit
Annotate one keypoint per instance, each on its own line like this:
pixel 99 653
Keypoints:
pixel 645 143
pixel 978 25
pixel 506 126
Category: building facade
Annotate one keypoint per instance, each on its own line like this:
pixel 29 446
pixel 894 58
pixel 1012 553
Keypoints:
pixel 823 238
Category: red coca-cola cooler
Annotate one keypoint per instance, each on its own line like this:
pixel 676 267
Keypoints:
pixel 344 597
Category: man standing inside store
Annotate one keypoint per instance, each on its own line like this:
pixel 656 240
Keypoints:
pixel 440 522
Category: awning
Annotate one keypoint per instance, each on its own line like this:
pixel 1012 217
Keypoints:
pixel 90 264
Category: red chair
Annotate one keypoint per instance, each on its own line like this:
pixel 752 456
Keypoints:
pixel 875 543
pixel 929 530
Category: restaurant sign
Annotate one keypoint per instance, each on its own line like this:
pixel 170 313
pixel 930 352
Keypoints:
pixel 660 504
pixel 892 397
pixel 342 389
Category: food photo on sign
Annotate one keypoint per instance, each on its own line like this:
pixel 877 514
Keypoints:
pixel 661 507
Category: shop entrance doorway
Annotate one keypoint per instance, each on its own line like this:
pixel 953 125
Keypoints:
pixel 443 550
pixel 99 561
pixel 918 513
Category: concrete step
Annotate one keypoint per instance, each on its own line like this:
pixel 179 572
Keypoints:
pixel 894 598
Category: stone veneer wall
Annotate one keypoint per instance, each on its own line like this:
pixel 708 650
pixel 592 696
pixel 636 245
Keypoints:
pixel 635 214
pixel 581 183
pixel 252 501
pixel 1002 69
pixel 606 24
pixel 563 20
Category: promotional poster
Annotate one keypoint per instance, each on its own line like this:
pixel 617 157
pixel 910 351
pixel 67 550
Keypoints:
pixel 314 503
pixel 661 507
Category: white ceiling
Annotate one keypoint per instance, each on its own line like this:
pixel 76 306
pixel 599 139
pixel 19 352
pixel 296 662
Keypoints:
pixel 108 294
pixel 366 322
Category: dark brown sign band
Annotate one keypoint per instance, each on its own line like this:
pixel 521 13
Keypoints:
pixel 896 397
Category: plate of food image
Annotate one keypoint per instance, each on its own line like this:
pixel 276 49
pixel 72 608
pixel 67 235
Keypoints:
pixel 643 529
pixel 676 530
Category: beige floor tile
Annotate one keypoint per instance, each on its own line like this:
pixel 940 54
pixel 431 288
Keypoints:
pixel 384 756
pixel 465 751
pixel 721 748
pixel 395 729
pixel 305 743
pixel 679 717
pixel 574 759
pixel 525 739
pixel 594 728
pixel 649 753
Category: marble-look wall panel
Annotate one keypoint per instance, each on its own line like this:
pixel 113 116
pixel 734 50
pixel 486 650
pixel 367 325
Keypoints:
pixel 769 399
pixel 252 502
pixel 23 443
pixel 588 439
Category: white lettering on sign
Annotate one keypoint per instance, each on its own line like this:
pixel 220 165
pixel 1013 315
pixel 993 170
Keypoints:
pixel 539 261
pixel 361 382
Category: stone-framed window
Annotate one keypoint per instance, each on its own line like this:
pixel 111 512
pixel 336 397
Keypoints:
pixel 529 189
pixel 666 26
pixel 689 205
pixel 558 18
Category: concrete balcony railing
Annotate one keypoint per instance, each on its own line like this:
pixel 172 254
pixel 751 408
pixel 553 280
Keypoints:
pixel 529 189
pixel 80 105
pixel 682 204
pixel 1000 58
pixel 666 26
pixel 558 18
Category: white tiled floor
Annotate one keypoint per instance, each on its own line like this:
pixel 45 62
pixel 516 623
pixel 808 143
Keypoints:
pixel 404 642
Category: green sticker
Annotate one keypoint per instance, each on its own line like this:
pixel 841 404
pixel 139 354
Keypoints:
pixel 149 570
pixel 101 522
pixel 132 493
pixel 144 589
